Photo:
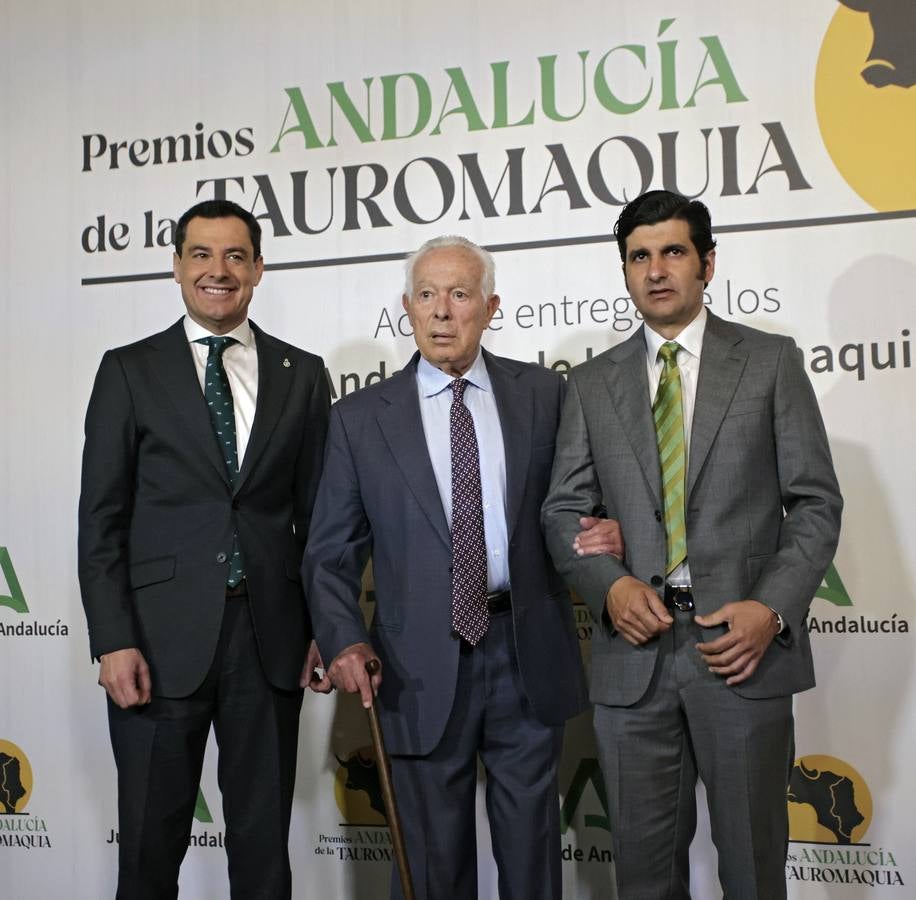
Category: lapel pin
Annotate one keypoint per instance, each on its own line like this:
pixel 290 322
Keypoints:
pixel 285 363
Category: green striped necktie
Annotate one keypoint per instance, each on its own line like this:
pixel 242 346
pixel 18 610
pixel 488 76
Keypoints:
pixel 668 412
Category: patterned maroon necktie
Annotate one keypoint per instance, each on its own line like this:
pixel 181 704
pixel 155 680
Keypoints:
pixel 470 616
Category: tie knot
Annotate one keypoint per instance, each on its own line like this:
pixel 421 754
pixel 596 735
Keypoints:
pixel 458 386
pixel 668 352
pixel 216 344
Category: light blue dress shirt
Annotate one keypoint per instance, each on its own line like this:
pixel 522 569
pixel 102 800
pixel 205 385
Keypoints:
pixel 433 387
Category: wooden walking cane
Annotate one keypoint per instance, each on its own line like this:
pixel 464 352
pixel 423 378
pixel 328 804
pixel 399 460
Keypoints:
pixel 391 806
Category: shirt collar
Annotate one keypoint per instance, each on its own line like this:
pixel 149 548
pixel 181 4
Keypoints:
pixel 690 339
pixel 433 381
pixel 242 332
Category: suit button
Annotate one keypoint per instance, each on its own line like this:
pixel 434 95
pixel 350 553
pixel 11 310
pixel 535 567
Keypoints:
pixel 657 580
pixel 658 516
pixel 235 504
pixel 221 557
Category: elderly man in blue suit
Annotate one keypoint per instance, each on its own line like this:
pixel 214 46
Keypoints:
pixel 440 473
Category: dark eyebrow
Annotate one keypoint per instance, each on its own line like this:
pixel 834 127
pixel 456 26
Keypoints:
pixel 240 250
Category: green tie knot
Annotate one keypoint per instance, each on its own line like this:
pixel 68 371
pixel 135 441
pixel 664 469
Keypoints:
pixel 668 353
pixel 216 344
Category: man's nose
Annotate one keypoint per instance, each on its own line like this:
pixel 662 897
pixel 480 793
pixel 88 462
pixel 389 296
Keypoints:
pixel 217 267
pixel 657 268
pixel 442 308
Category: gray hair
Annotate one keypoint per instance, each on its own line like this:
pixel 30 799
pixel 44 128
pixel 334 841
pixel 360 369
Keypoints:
pixel 488 283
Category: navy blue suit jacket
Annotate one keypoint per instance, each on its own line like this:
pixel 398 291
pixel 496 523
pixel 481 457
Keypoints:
pixel 378 496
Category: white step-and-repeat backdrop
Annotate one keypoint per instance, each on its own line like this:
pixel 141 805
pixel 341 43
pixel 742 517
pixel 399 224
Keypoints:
pixel 356 131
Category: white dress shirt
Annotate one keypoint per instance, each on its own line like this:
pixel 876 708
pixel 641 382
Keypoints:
pixel 688 362
pixel 241 364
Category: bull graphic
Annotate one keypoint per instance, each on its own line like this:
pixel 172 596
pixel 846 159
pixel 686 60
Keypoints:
pixel 11 788
pixel 362 775
pixel 831 795
pixel 892 58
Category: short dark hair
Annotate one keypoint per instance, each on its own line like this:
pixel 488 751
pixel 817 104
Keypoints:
pixel 660 206
pixel 219 209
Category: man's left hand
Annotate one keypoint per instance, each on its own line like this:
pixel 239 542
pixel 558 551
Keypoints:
pixel 314 675
pixel 735 655
pixel 599 536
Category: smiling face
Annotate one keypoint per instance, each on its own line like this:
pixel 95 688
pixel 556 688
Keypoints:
pixel 217 272
pixel 447 307
pixel 666 276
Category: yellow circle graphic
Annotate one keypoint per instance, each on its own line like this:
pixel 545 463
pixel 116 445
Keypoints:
pixel 829 802
pixel 15 779
pixel 357 789
pixel 868 123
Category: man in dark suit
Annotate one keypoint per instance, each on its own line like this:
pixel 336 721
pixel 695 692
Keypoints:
pixel 704 439
pixel 203 451
pixel 439 473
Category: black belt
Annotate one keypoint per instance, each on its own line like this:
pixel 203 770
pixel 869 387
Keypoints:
pixel 677 597
pixel 499 602
pixel 238 590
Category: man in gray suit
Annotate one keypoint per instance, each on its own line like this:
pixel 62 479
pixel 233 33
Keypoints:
pixel 704 439
pixel 473 625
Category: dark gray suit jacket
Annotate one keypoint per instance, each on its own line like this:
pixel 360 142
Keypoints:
pixel 378 495
pixel 157 512
pixel 763 504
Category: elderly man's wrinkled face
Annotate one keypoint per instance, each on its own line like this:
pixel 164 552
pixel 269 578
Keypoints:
pixel 447 308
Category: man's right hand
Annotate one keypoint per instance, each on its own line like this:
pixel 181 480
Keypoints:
pixel 125 675
pixel 636 610
pixel 348 672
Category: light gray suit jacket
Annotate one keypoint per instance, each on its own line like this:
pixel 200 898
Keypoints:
pixel 763 504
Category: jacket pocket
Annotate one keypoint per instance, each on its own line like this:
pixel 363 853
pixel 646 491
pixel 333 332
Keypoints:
pixel 152 571
pixel 748 406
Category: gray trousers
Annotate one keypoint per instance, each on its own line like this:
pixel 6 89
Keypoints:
pixel 688 723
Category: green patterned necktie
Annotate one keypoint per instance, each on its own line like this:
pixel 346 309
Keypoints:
pixel 668 412
pixel 218 395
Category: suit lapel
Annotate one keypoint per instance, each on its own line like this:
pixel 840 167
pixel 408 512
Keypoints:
pixel 175 370
pixel 515 418
pixel 628 384
pixel 402 428
pixel 276 370
pixel 721 366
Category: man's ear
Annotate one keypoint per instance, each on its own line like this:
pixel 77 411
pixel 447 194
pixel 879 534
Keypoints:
pixel 709 266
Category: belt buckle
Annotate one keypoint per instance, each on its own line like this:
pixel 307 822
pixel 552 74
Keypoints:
pixel 681 598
